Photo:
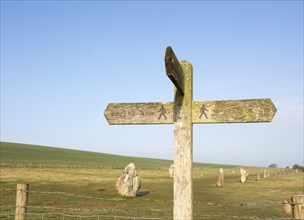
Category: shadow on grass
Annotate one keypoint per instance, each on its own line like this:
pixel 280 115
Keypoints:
pixel 142 193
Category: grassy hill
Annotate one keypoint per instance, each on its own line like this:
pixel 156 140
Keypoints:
pixel 13 153
pixel 82 193
pixel 73 193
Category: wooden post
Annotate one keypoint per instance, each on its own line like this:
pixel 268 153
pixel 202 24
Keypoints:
pixel 298 206
pixel 295 207
pixel 21 201
pixel 183 206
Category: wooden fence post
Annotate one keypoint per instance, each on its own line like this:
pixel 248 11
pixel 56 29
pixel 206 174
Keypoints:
pixel 21 201
pixel 298 206
pixel 295 207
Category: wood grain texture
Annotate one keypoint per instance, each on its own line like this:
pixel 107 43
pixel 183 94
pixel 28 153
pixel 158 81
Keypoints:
pixel 139 113
pixel 298 206
pixel 183 129
pixel 21 201
pixel 174 70
pixel 233 111
pixel 205 112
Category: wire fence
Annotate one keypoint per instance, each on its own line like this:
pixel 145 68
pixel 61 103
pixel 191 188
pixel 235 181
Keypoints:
pixel 56 215
pixel 60 193
pixel 55 165
pixel 75 166
pixel 45 212
pixel 59 215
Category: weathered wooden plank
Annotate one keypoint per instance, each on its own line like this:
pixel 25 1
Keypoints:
pixel 233 111
pixel 183 190
pixel 225 111
pixel 139 113
pixel 174 70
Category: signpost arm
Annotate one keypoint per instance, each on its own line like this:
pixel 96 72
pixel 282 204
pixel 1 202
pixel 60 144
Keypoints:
pixel 174 70
pixel 182 117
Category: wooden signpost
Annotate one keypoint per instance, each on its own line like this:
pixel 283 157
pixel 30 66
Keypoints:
pixel 205 112
pixel 183 113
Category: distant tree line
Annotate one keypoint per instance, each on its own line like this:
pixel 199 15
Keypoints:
pixel 298 167
pixel 295 166
pixel 273 165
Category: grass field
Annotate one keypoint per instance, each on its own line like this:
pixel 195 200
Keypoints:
pixel 33 155
pixel 86 193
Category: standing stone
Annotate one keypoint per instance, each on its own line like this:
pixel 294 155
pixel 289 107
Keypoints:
pixel 244 175
pixel 265 175
pixel 171 171
pixel 258 177
pixel 128 184
pixel 220 181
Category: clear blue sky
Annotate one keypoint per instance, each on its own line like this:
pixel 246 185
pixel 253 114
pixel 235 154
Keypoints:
pixel 63 62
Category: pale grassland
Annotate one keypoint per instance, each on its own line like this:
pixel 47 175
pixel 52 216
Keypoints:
pixel 92 192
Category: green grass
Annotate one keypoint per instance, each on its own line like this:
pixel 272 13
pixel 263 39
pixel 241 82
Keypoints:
pixel 88 192
pixel 251 200
pixel 12 153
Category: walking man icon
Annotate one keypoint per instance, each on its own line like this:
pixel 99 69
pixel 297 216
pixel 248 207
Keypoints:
pixel 162 112
pixel 203 111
